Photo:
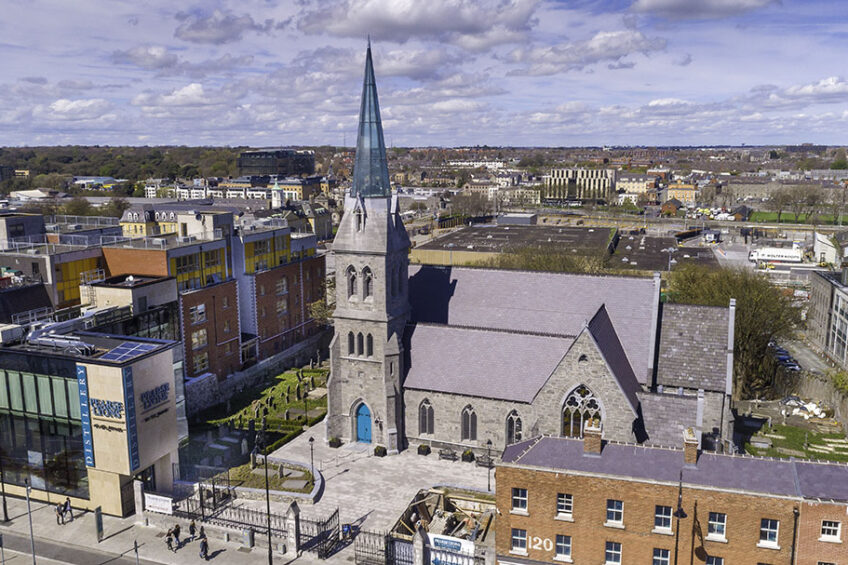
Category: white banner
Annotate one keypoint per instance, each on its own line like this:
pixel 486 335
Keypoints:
pixel 157 503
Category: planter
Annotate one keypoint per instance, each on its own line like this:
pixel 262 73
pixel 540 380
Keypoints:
pixel 468 456
pixel 423 450
pixel 335 442
pixel 380 451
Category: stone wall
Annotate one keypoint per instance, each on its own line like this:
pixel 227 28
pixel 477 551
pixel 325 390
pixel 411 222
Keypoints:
pixel 204 392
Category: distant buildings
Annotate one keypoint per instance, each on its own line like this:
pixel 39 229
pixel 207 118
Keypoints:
pixel 588 185
pixel 280 162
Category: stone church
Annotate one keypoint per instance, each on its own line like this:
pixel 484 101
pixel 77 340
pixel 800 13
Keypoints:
pixel 461 357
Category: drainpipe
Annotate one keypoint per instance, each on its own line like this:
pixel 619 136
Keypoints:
pixel 795 513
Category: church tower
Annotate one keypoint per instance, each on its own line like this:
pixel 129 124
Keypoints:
pixel 372 306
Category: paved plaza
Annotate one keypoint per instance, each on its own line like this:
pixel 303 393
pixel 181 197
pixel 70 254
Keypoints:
pixel 371 491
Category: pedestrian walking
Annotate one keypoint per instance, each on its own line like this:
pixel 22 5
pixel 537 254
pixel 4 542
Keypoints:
pixel 192 529
pixel 177 534
pixel 68 509
pixel 202 534
pixel 204 549
pixel 60 514
pixel 169 540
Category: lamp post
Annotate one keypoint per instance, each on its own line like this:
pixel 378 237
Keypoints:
pixel 489 465
pixel 312 458
pixel 671 261
pixel 260 444
pixel 3 487
pixel 29 513
pixel 678 514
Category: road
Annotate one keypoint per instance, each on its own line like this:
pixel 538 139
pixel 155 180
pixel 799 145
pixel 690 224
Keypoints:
pixel 18 547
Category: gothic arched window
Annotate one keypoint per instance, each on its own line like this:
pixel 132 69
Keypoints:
pixel 351 282
pixel 425 417
pixel 351 346
pixel 360 344
pixel 513 428
pixel 367 282
pixel 369 346
pixel 469 424
pixel 580 406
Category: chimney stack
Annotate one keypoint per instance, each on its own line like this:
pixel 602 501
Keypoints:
pixel 592 438
pixel 690 447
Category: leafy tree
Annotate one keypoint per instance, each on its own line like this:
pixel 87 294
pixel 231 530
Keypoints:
pixel 763 313
pixel 54 181
pixel 773 154
pixel 78 206
pixel 780 201
pixel 115 207
pixel 322 309
pixel 470 204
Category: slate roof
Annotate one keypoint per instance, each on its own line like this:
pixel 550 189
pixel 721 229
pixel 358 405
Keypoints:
pixel 483 363
pixel 782 477
pixel 557 304
pixel 607 341
pixel 666 416
pixel 693 346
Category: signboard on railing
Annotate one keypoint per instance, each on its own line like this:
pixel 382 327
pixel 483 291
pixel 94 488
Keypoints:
pixel 158 503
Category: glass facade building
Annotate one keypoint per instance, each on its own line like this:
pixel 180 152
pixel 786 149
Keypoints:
pixel 40 426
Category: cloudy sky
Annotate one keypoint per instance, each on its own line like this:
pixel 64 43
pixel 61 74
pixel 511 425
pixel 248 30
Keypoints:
pixel 449 72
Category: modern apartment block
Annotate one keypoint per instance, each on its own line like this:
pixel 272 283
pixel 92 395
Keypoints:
pixel 565 500
pixel 592 185
pixel 827 315
pixel 279 161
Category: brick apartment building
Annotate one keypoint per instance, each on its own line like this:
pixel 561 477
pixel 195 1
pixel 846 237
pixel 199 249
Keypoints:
pixel 565 500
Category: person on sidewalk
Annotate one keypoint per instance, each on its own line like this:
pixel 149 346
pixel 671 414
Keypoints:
pixel 169 540
pixel 202 534
pixel 68 509
pixel 192 529
pixel 204 549
pixel 60 514
pixel 177 535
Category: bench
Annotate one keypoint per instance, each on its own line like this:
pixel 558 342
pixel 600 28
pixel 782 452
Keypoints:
pixel 448 454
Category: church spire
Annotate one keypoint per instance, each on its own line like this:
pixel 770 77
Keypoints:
pixel 370 169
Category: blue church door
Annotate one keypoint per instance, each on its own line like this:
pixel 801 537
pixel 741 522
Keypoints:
pixel 363 424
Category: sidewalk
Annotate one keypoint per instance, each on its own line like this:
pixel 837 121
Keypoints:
pixel 76 541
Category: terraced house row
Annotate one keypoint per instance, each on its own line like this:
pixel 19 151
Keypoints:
pixel 565 500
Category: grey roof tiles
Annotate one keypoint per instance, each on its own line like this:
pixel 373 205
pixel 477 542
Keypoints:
pixel 693 347
pixel 731 472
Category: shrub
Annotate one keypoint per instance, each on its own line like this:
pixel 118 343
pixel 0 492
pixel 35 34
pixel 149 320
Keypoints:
pixel 335 442
pixel 380 451
pixel 423 449
pixel 468 455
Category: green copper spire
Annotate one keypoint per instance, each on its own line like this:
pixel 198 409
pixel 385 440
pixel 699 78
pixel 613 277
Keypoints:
pixel 370 170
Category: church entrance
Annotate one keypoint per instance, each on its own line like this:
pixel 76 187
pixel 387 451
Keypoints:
pixel 363 424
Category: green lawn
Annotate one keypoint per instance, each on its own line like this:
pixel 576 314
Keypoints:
pixel 794 439
pixel 789 218
pixel 244 476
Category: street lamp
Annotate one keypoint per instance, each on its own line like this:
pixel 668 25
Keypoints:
pixel 260 444
pixel 671 261
pixel 678 514
pixel 29 513
pixel 312 458
pixel 3 487
pixel 489 465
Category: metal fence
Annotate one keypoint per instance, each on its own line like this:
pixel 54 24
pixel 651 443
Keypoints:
pixel 228 516
pixel 321 537
pixel 380 548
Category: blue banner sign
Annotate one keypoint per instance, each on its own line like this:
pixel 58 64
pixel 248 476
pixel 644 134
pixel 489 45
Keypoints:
pixel 85 416
pixel 132 429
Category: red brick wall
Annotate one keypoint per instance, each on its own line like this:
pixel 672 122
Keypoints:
pixel 277 333
pixel 589 535
pixel 223 358
pixel 811 551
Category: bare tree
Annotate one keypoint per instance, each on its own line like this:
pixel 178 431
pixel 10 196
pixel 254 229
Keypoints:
pixel 780 200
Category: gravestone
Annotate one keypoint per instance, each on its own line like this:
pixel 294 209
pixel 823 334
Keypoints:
pixel 244 446
pixel 286 414
pixel 251 428
pixel 264 423
pixel 312 381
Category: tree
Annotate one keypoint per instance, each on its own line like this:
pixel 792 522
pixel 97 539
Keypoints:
pixel 814 200
pixel 322 309
pixel 470 204
pixel 780 201
pixel 763 313
pixel 115 208
pixel 78 206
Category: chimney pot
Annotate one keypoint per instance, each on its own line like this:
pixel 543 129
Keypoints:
pixel 592 438
pixel 690 447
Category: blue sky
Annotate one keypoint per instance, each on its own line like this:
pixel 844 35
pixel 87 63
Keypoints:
pixel 449 72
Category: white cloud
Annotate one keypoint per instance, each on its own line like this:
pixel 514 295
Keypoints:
pixel 160 59
pixel 699 9
pixel 218 28
pixel 603 46
pixel 75 110
pixel 472 24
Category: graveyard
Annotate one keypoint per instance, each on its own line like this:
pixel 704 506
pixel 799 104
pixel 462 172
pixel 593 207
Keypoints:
pixel 222 438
